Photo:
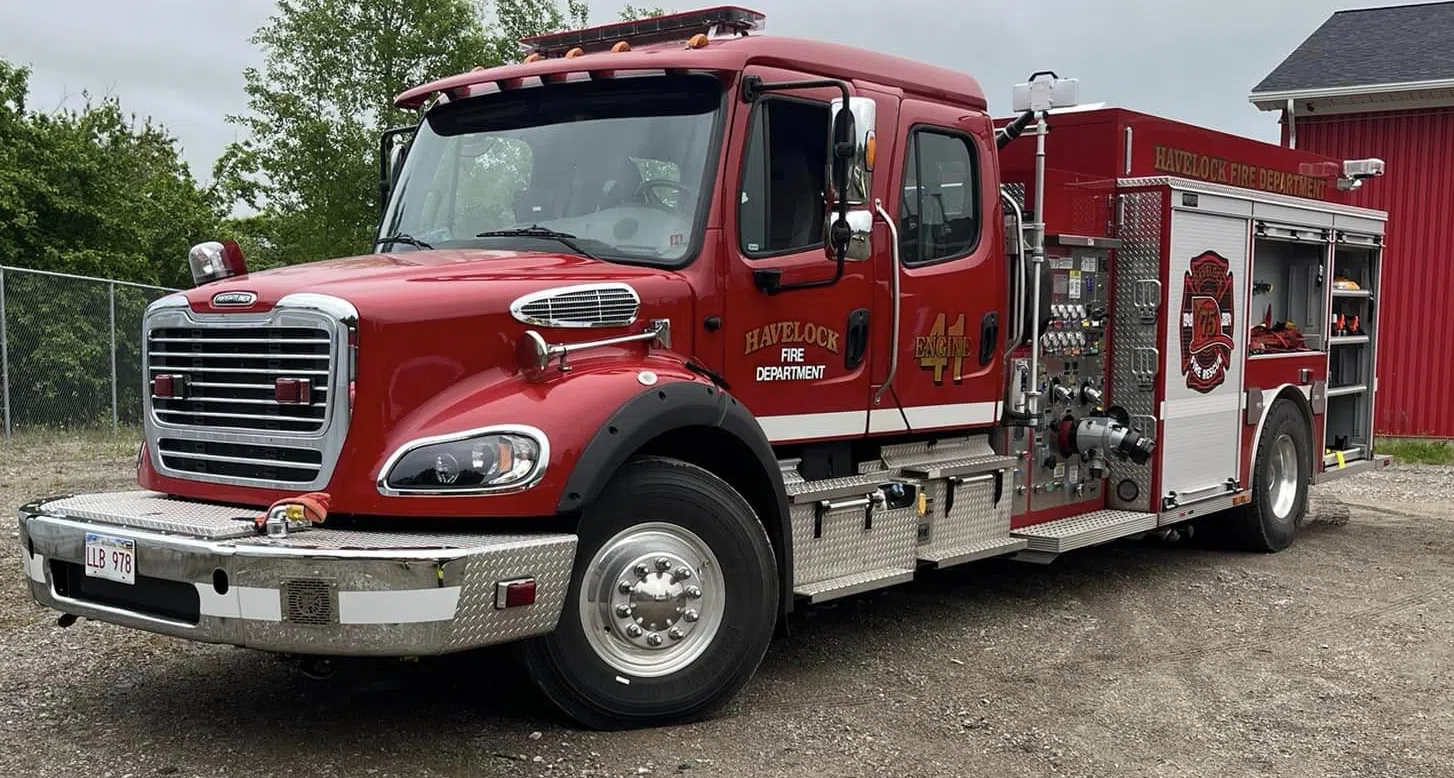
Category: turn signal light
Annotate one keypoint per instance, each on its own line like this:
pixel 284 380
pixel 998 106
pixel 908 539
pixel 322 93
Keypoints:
pixel 169 386
pixel 293 391
pixel 514 594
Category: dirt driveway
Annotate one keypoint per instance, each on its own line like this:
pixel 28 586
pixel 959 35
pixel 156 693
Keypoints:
pixel 1335 658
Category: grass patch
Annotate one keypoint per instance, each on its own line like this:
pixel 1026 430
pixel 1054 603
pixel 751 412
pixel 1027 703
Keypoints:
pixel 1417 451
pixel 101 440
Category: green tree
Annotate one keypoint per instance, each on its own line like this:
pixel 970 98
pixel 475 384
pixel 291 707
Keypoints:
pixel 94 191
pixel 631 12
pixel 317 105
pixel 308 167
pixel 91 191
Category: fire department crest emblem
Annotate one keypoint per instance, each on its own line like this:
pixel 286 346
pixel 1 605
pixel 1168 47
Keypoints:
pixel 1206 322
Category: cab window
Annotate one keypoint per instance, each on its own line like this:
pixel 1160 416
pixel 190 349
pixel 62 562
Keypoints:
pixel 781 206
pixel 939 210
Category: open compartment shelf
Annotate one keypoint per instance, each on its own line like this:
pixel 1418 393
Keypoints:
pixel 1349 427
pixel 1289 294
pixel 1352 318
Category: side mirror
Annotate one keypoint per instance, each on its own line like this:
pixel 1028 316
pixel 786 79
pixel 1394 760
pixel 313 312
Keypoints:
pixel 855 146
pixel 391 161
pixel 864 117
pixel 396 163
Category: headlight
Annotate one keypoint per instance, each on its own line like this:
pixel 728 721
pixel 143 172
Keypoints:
pixel 498 459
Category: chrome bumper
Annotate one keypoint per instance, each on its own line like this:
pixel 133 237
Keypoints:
pixel 203 574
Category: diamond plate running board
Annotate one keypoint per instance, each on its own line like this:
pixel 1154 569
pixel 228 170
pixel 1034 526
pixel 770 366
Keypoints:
pixel 970 552
pixel 856 583
pixel 1087 529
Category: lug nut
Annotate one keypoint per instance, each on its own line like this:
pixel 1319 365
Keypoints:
pixel 663 564
pixel 653 640
pixel 625 587
pixel 623 611
pixel 633 631
pixel 690 616
pixel 694 593
pixel 640 571
pixel 683 573
pixel 675 633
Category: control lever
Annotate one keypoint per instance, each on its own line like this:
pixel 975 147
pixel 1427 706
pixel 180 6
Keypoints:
pixel 1090 395
pixel 1060 392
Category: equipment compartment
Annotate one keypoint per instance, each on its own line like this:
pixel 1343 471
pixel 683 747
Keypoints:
pixel 845 537
pixel 966 517
pixel 1286 314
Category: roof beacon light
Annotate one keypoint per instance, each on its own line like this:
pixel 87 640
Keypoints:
pixel 722 20
pixel 214 261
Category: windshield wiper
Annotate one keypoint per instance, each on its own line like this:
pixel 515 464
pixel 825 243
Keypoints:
pixel 536 231
pixel 408 240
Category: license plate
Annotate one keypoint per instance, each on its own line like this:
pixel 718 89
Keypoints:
pixel 110 557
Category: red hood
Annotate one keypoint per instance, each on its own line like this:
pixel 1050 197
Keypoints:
pixel 386 284
pixel 430 319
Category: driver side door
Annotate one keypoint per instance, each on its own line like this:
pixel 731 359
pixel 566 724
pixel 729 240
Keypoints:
pixel 797 359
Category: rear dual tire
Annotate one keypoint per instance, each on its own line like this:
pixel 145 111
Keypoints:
pixel 671 605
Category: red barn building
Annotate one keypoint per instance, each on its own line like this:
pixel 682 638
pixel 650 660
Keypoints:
pixel 1379 82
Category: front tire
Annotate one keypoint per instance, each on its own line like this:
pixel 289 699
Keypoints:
pixel 671 604
pixel 1280 479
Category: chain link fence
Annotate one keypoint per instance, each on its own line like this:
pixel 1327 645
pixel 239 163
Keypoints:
pixel 70 350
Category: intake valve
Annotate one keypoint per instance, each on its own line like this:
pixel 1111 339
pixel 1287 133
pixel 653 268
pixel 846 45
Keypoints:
pixel 1090 435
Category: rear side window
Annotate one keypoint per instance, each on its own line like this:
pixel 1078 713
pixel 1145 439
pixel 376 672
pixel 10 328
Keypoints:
pixel 939 211
pixel 781 207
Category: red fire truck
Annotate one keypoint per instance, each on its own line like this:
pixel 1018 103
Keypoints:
pixel 673 327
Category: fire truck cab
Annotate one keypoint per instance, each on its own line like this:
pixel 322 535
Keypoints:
pixel 673 326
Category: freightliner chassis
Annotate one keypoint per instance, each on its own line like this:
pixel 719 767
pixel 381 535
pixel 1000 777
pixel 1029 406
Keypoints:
pixel 673 327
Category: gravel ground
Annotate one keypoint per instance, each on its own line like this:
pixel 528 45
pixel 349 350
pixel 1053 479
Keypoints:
pixel 1331 659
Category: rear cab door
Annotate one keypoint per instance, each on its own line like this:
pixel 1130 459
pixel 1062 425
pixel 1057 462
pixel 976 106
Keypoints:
pixel 952 273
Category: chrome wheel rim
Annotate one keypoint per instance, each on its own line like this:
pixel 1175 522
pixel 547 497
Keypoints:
pixel 652 600
pixel 1282 485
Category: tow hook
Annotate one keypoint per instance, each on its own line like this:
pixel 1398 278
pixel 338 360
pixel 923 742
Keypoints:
pixel 66 620
pixel 317 668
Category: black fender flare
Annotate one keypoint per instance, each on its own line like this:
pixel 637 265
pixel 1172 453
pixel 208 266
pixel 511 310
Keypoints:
pixel 668 407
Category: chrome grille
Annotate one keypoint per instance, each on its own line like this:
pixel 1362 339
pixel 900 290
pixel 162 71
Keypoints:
pixel 241 460
pixel 231 374
pixel 592 305
pixel 226 425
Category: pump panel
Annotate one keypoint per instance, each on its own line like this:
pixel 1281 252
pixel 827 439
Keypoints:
pixel 1074 317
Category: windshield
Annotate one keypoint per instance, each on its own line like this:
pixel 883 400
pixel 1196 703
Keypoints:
pixel 619 168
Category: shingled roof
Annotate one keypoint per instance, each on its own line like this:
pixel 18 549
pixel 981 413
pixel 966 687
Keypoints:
pixel 1402 44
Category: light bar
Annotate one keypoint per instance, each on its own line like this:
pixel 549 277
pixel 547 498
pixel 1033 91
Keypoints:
pixel 656 29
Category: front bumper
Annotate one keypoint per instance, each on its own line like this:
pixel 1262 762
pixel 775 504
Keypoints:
pixel 202 574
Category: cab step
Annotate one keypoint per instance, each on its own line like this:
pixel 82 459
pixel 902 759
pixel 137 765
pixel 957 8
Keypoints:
pixel 972 552
pixel 854 583
pixel 1044 541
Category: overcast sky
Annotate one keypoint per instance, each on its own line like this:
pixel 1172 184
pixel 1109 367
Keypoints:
pixel 181 61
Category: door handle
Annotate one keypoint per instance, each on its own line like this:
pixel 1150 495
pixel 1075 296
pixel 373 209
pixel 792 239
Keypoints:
pixel 855 343
pixel 989 338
